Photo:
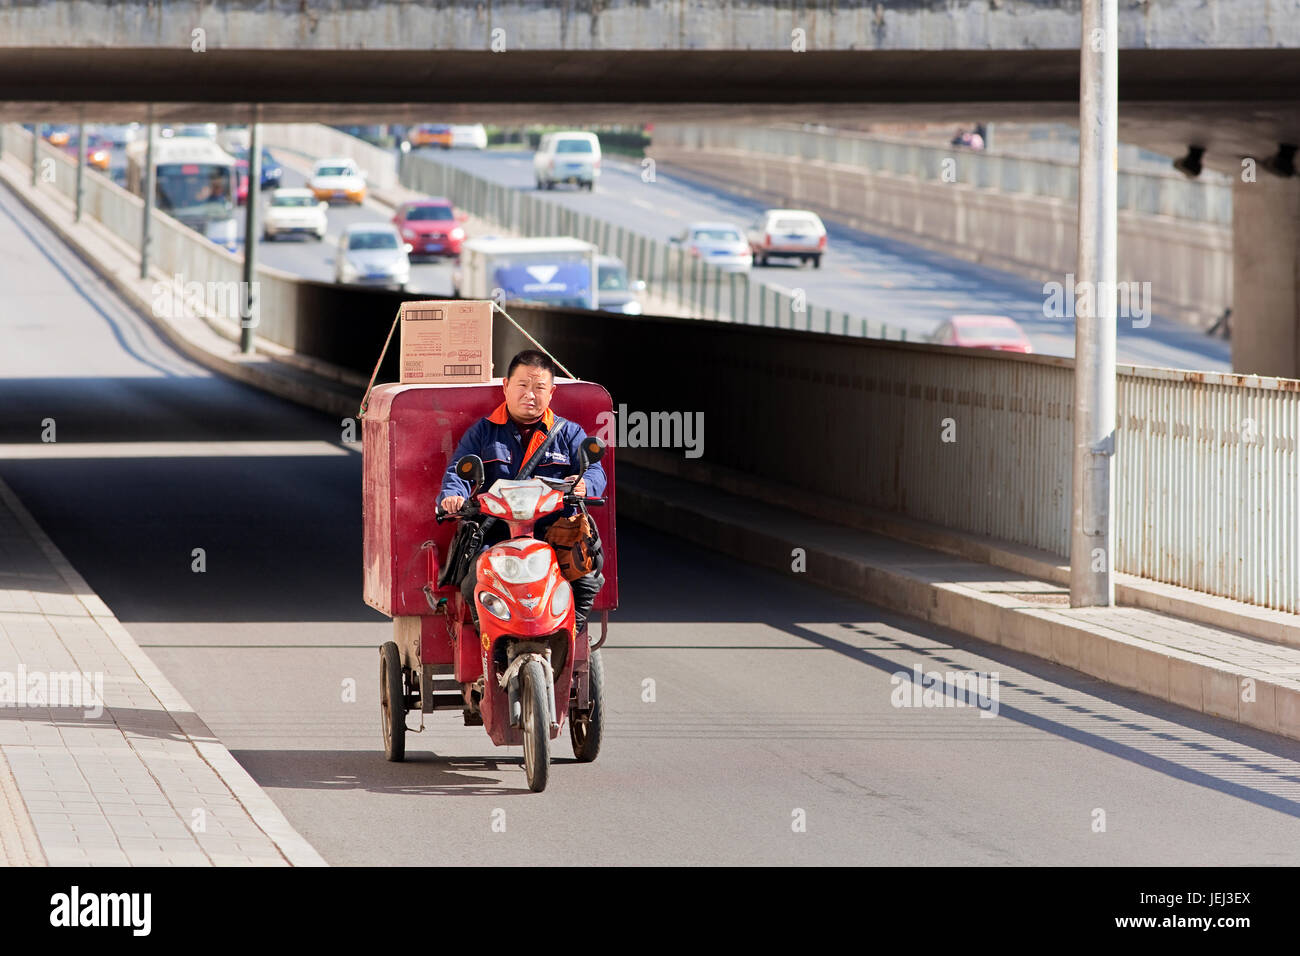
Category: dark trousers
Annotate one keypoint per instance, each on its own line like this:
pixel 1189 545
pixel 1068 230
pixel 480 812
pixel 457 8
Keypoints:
pixel 584 593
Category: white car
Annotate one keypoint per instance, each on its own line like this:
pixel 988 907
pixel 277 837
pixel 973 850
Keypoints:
pixel 720 244
pixel 373 254
pixel 571 157
pixel 469 137
pixel 616 293
pixel 788 234
pixel 294 212
pixel 333 179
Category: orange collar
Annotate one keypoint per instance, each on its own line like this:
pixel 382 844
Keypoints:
pixel 501 416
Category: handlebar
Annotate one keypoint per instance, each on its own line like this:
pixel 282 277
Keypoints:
pixel 471 509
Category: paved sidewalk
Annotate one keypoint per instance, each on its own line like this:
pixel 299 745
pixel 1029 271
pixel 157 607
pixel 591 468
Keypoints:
pixel 1200 666
pixel 102 762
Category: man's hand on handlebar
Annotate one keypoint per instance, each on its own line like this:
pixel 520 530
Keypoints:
pixel 452 503
pixel 579 489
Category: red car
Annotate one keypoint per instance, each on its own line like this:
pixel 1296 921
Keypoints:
pixel 431 226
pixel 982 332
pixel 241 170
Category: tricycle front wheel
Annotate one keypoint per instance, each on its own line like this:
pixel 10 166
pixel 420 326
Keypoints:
pixel 537 726
pixel 392 702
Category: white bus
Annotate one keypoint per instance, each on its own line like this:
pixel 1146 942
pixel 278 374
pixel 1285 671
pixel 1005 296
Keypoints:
pixel 196 184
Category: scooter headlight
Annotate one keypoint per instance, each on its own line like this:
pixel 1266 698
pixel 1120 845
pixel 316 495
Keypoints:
pixel 520 570
pixel 561 599
pixel 522 500
pixel 494 605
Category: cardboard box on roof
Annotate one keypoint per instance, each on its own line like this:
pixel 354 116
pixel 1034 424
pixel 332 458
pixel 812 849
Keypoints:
pixel 446 342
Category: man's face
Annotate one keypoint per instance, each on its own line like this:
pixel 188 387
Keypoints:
pixel 528 393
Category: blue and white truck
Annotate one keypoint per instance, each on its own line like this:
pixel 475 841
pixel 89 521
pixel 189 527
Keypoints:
pixel 545 271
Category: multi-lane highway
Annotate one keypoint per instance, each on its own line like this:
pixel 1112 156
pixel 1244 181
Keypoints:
pixel 884 280
pixel 314 259
pixel 771 700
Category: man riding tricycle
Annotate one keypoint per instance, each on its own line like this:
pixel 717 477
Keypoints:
pixel 492 620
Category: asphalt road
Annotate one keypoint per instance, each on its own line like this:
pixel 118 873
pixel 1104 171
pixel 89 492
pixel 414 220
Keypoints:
pixel 772 699
pixel 314 259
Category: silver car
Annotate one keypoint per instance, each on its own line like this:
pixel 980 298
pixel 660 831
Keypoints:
pixel 720 244
pixel 373 254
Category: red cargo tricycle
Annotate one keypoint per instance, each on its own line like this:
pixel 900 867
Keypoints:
pixel 524 672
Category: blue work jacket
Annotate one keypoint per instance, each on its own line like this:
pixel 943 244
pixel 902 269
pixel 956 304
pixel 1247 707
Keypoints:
pixel 497 441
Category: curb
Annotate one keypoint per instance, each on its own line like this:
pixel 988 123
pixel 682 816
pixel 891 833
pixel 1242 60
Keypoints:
pixel 260 808
pixel 1186 679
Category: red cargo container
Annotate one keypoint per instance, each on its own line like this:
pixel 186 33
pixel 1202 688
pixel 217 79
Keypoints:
pixel 410 433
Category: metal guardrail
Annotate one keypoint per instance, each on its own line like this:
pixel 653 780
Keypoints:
pixel 1207 466
pixel 1145 193
pixel 690 283
pixel 1208 483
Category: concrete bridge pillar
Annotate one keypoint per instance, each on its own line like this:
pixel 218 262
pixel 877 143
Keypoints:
pixel 1266 276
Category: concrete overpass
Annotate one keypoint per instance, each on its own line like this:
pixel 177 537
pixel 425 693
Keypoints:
pixel 1221 75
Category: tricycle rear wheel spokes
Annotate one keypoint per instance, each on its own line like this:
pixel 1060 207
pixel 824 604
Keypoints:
pixel 537 726
pixel 392 702
pixel 587 729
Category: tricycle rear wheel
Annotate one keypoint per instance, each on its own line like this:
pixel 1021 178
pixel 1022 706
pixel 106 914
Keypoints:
pixel 392 702
pixel 537 726
pixel 586 730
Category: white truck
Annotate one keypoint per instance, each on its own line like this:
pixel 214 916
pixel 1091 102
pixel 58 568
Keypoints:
pixel 547 271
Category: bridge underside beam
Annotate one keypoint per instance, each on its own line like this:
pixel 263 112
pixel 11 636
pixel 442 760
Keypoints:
pixel 1235 102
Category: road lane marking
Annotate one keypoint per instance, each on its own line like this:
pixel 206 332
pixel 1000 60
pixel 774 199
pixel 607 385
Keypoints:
pixel 170 449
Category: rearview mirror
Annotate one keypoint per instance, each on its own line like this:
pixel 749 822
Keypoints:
pixel 470 468
pixel 590 451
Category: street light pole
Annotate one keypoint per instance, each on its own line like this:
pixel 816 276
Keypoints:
pixel 149 186
pixel 81 164
pixel 1092 527
pixel 250 305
